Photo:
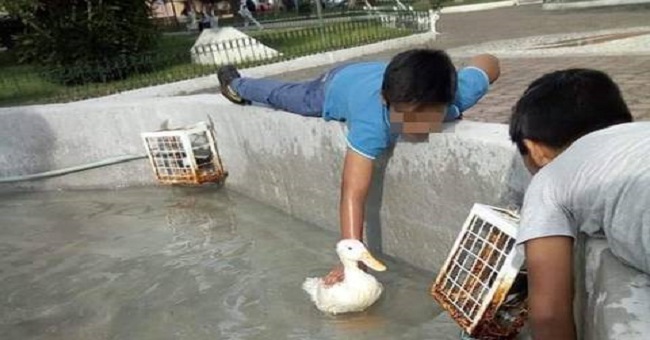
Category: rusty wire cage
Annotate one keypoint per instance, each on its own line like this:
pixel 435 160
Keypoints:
pixel 482 283
pixel 185 156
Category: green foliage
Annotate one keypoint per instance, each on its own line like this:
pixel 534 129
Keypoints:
pixel 80 41
pixel 9 28
pixel 22 84
pixel 305 7
pixel 438 4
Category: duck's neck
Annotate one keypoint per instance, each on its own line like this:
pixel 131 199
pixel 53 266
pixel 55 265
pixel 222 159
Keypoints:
pixel 350 267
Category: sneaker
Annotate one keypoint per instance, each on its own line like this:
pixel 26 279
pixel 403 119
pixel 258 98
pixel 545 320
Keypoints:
pixel 226 75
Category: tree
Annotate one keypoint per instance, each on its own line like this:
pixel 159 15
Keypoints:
pixel 84 40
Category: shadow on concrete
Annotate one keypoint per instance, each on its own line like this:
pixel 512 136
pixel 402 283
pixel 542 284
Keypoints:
pixel 516 182
pixel 26 148
pixel 374 203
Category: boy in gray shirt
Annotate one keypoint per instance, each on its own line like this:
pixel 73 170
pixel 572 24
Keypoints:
pixel 591 167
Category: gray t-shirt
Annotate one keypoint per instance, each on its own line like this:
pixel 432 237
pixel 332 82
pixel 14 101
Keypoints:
pixel 600 185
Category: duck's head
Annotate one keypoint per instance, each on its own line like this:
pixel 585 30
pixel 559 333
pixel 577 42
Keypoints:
pixel 351 251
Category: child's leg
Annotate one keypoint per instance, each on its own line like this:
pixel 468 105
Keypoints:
pixel 303 98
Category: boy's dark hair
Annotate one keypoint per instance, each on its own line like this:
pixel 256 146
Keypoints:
pixel 420 76
pixel 562 106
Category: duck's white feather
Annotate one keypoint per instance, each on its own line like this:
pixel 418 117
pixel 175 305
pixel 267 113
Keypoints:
pixel 358 291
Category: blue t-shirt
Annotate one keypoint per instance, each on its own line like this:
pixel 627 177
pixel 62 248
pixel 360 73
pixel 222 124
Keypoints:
pixel 353 96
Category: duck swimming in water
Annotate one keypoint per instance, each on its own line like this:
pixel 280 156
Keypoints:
pixel 358 290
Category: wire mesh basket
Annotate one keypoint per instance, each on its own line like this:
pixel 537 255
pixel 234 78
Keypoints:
pixel 185 156
pixel 482 283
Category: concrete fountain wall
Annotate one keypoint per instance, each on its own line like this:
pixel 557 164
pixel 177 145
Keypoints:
pixel 420 197
pixel 287 161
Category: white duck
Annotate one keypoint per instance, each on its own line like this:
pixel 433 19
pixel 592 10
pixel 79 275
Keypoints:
pixel 358 290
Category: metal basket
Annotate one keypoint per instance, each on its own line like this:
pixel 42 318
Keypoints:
pixel 185 156
pixel 482 284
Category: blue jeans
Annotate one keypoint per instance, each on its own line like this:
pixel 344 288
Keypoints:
pixel 304 98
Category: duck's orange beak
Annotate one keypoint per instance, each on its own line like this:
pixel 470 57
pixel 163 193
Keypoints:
pixel 372 262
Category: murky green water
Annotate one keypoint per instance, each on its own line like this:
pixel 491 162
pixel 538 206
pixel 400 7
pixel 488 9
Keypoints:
pixel 171 263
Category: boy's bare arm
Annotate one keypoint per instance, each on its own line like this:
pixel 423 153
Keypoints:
pixel 550 287
pixel 489 64
pixel 357 175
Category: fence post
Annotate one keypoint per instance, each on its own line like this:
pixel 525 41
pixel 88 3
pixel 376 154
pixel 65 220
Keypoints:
pixel 433 19
pixel 319 12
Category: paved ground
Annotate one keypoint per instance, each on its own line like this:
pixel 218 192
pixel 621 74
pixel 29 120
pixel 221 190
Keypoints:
pixel 632 72
pixel 530 20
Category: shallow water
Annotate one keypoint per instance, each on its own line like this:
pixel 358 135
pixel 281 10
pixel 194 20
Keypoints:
pixel 175 263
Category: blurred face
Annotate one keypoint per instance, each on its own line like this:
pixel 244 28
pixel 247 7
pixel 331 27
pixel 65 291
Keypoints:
pixel 416 121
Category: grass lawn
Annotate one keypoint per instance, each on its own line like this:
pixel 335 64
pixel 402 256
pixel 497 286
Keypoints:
pixel 21 84
pixel 423 5
pixel 295 41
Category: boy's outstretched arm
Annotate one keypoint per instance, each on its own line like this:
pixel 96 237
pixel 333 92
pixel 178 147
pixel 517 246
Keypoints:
pixel 489 64
pixel 550 287
pixel 355 184
pixel 357 176
pixel 474 82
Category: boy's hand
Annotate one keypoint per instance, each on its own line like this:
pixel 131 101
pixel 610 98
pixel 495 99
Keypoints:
pixel 336 275
pixel 489 64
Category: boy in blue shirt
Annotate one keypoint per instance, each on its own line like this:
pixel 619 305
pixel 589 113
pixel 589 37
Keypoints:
pixel 411 96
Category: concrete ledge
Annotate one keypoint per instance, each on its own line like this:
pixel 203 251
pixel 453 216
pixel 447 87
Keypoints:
pixel 544 46
pixel 590 3
pixel 287 161
pixel 617 296
pixel 479 7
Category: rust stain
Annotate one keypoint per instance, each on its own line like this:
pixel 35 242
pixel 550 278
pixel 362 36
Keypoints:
pixel 447 305
pixel 195 178
pixel 492 326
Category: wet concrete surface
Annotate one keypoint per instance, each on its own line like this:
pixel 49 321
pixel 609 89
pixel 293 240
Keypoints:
pixel 182 263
